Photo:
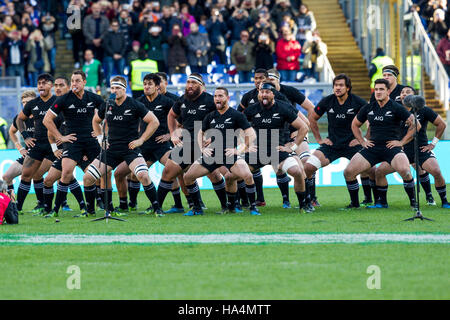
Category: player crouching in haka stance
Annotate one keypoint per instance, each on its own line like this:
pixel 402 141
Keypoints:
pixel 269 118
pixel 427 159
pixel 122 118
pixel 220 151
pixel 385 118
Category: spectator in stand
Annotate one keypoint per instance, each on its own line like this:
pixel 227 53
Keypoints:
pixel 186 20
pixel 437 28
pixel 13 55
pixel 152 41
pixel 95 27
pixel 221 6
pixel 8 24
pixel 115 48
pixel 156 10
pixel 263 26
pixel 202 25
pixel 78 41
pixel 33 14
pixel 94 72
pixel 138 69
pixel 11 11
pixel 107 10
pixel 195 9
pixel 290 23
pixel 216 28
pixel 27 22
pixel 125 26
pixel 239 21
pixel 443 51
pixel 242 57
pixel 167 21
pixel 177 60
pixel 38 62
pixel 263 52
pixel 315 51
pixel 141 28
pixel 248 5
pixel 48 28
pixel 306 24
pixel 282 8
pixel 288 52
pixel 198 47
pixel 134 53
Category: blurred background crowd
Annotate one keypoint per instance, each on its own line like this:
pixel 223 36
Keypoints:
pixel 105 37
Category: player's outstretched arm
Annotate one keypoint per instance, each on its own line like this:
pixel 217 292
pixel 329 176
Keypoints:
pixel 440 125
pixel 12 134
pixel 313 118
pixel 411 130
pixel 302 128
pixel 152 124
pixel 357 133
pixel 21 118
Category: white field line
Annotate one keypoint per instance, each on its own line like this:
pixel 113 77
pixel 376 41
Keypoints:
pixel 236 238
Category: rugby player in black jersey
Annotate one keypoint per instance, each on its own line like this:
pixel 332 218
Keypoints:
pixel 249 98
pixel 78 108
pixel 190 109
pixel 427 159
pixel 157 148
pixel 221 151
pixel 124 142
pixel 295 97
pixel 385 118
pixel 269 118
pixel 341 107
pixel 163 87
pixel 391 73
pixel 15 169
pixel 61 88
pixel 40 149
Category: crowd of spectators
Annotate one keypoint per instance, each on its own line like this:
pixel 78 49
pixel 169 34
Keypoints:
pixel 177 34
pixel 435 16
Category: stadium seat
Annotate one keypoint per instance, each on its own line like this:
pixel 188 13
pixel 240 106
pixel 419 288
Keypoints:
pixel 220 78
pixel 178 78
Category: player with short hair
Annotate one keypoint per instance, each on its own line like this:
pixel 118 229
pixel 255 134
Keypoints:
pixel 78 108
pixel 385 118
pixel 124 142
pixel 427 160
pixel 40 149
pixel 61 88
pixel 156 148
pixel 221 151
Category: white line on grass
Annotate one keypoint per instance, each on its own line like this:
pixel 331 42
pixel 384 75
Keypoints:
pixel 228 238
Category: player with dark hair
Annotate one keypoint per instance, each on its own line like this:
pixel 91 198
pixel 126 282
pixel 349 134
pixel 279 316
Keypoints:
pixel 341 108
pixel 391 73
pixel 385 118
pixel 78 108
pixel 124 142
pixel 427 159
pixel 61 88
pixel 157 148
pixel 269 118
pixel 163 87
pixel 295 97
pixel 220 151
pixel 190 109
pixel 40 149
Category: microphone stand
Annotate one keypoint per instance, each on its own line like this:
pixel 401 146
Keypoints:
pixel 418 214
pixel 107 215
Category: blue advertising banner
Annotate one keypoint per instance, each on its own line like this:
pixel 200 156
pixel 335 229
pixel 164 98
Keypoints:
pixel 332 175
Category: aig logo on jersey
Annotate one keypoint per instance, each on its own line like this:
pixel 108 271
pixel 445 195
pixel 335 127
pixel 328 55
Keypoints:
pixel 118 118
pixel 82 110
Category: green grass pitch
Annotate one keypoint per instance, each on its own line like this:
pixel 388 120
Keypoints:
pixel 233 270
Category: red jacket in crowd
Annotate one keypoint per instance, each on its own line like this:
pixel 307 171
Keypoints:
pixel 288 53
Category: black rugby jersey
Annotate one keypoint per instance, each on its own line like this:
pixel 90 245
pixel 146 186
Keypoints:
pixel 251 97
pixel 340 117
pixel 38 108
pixel 160 107
pixel 78 113
pixel 385 123
pixel 424 116
pixel 191 111
pixel 123 121
pixel 226 123
pixel 274 120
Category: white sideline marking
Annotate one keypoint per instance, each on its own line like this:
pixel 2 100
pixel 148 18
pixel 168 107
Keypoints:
pixel 218 238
